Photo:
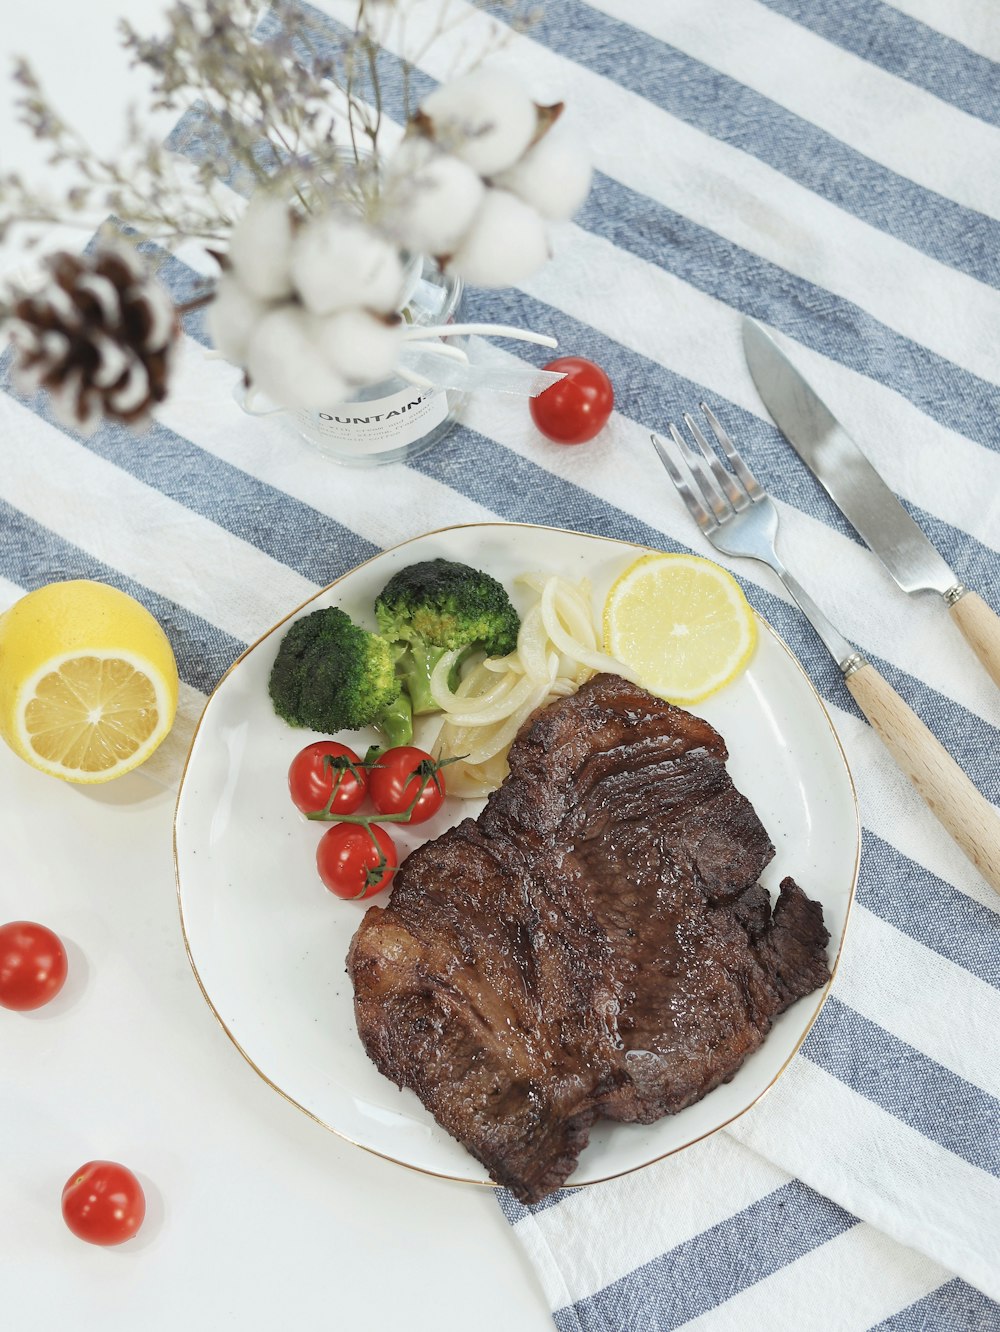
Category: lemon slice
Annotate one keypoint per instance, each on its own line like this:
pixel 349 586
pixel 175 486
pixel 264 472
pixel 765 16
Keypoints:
pixel 88 681
pixel 681 624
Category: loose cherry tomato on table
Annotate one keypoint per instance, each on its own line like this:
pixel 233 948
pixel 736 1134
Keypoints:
pixel 575 409
pixel 32 965
pixel 406 776
pixel 356 860
pixel 103 1203
pixel 327 774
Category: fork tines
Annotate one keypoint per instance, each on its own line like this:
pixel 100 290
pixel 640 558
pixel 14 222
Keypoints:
pixel 716 494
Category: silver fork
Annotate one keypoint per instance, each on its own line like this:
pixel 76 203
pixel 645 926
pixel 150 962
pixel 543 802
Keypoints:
pixel 739 518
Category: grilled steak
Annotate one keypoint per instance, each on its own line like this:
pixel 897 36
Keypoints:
pixel 595 943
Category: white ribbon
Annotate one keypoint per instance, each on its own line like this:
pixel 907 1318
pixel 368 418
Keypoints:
pixel 430 362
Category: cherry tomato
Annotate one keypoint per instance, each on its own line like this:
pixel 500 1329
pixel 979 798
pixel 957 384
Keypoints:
pixel 32 965
pixel 575 409
pixel 356 860
pixel 103 1203
pixel 327 773
pixel 403 775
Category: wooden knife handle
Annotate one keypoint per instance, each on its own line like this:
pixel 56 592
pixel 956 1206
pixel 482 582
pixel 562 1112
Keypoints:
pixel 967 815
pixel 980 627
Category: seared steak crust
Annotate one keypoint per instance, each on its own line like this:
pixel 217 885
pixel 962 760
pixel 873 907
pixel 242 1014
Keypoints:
pixel 596 943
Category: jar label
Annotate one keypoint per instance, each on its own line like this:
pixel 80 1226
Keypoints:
pixel 381 424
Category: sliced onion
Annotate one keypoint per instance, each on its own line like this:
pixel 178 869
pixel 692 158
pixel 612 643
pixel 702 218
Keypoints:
pixel 468 783
pixel 478 744
pixel 463 699
pixel 500 737
pixel 501 664
pixel 476 680
pixel 557 650
pixel 499 704
pixel 536 581
pixel 532 642
pixel 598 661
pixel 474 781
pixel 574 614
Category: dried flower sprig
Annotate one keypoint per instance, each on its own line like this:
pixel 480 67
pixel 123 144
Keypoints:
pixel 149 187
pixel 268 95
pixel 314 271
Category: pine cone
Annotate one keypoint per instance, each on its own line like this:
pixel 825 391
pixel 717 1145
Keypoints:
pixel 98 337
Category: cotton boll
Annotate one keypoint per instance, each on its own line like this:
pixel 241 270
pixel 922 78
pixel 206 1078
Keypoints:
pixel 260 246
pixel 359 345
pixel 431 197
pixel 232 317
pixel 284 362
pixel 339 262
pixel 486 118
pixel 553 176
pixel 505 244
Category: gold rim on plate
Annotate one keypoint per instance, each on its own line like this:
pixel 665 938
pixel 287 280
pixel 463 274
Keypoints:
pixel 422 1170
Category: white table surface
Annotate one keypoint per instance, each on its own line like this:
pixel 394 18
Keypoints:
pixel 256 1217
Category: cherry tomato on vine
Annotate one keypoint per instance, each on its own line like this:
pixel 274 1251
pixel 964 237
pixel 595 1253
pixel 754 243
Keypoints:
pixel 404 775
pixel 32 965
pixel 327 773
pixel 103 1203
pixel 356 860
pixel 575 409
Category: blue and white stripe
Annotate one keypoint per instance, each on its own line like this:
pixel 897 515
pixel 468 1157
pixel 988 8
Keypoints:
pixel 832 168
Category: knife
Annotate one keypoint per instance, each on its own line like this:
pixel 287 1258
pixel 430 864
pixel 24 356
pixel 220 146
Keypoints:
pixel 862 496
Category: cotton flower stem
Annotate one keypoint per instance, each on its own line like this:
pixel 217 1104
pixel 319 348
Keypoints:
pixel 415 332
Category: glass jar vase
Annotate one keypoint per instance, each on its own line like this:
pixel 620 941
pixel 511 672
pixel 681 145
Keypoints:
pixel 394 419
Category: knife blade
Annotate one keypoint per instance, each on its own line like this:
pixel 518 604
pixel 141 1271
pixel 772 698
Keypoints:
pixel 857 489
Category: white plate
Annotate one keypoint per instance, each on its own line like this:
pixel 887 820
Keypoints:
pixel 268 943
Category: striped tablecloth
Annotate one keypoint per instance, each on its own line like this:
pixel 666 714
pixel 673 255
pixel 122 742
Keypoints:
pixel 831 168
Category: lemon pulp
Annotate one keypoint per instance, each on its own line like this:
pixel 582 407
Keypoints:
pixel 91 713
pixel 681 624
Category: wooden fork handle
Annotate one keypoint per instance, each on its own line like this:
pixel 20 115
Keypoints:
pixel 980 627
pixel 967 815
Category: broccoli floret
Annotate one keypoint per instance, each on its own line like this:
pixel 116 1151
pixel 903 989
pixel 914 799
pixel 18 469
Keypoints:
pixel 332 676
pixel 436 606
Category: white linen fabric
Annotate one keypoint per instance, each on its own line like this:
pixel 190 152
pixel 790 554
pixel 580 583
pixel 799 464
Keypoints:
pixel 831 168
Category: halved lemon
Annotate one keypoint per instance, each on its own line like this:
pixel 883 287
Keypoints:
pixel 681 623
pixel 88 681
